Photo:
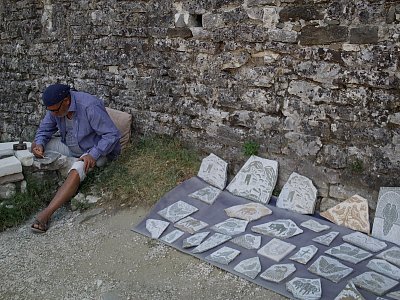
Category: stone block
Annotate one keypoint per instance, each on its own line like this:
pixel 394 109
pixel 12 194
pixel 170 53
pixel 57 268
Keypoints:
pixel 10 165
pixel 25 157
pixel 284 36
pixel 251 3
pixel 311 35
pixel 11 178
pixel 364 35
pixel 395 118
pixel 300 12
pixel 179 32
pixel 6 149
pixel 210 20
pixel 7 190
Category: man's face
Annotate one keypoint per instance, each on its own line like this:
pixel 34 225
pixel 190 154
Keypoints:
pixel 60 109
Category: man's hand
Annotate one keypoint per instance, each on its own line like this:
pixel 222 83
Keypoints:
pixel 37 150
pixel 89 162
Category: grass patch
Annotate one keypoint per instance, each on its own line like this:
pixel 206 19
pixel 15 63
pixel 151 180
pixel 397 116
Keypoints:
pixel 250 148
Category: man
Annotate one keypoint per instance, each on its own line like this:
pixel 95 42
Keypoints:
pixel 87 133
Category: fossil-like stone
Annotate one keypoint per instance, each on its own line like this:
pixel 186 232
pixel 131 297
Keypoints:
pixel 211 242
pixel 248 241
pixel 208 194
pixel 283 228
pixel 314 226
pixel 224 255
pixel 190 225
pixel 326 239
pixel 156 227
pixel 231 226
pixel 195 239
pixel 172 236
pixel 277 273
pixel 177 211
pixel 249 267
pixel 276 249
pixel 305 288
pixel 349 253
pixel 383 267
pixel 391 255
pixel 213 170
pixel 305 254
pixel 364 241
pixel 374 283
pixel 248 212
pixel 394 295
pixel 349 292
pixel 330 268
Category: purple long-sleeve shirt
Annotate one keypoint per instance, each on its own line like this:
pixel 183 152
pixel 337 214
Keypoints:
pixel 94 130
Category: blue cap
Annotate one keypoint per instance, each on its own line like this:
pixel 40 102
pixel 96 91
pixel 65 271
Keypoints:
pixel 55 93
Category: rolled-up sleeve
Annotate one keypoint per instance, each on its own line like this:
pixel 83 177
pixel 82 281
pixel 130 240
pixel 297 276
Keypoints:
pixel 47 127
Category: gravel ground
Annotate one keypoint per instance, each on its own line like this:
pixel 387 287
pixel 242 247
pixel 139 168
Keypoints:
pixel 97 257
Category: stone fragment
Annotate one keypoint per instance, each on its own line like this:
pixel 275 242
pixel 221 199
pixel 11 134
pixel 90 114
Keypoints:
pixel 383 267
pixel 349 253
pixel 305 288
pixel 364 35
pixel 300 12
pixel 248 241
pixel 213 170
pixel 314 226
pixel 190 225
pixel 277 273
pixel 305 254
pixel 284 36
pixel 231 226
pixel 211 242
pixel 352 213
pixel 249 212
pixel 6 149
pixel 156 227
pixel 224 255
pixel 283 228
pixel 364 241
pixel 349 292
pixel 10 165
pixel 48 158
pixel 25 157
pixel 311 35
pixel 249 267
pixel 92 199
pixel 330 268
pixel 177 211
pixel 195 239
pixel 181 32
pixel 394 295
pixel 208 194
pixel 391 255
pixel 374 283
pixel 11 178
pixel 276 249
pixel 326 239
pixel 49 164
pixel 172 236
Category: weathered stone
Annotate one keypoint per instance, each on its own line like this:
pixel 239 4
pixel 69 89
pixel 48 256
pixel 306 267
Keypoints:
pixel 284 36
pixel 305 288
pixel 330 268
pixel 311 35
pixel 214 171
pixel 7 190
pixel 179 32
pixel 11 178
pixel 374 283
pixel 364 35
pixel 300 12
pixel 10 165
pixel 276 249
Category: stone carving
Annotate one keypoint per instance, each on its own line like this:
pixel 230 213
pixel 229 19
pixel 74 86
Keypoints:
pixel 48 158
pixel 248 241
pixel 213 241
pixel 190 225
pixel 391 255
pixel 283 228
pixel 383 267
pixel 276 249
pixel 349 292
pixel 314 226
pixel 156 227
pixel 177 211
pixel 387 215
pixel 305 254
pixel 349 253
pixel 394 295
pixel 256 179
pixel 326 239
pixel 277 273
pixel 231 226
pixel 224 255
pixel 249 267
pixel 298 194
pixel 305 288
pixel 330 268
pixel 208 194
pixel 213 170
pixel 352 213
pixel 364 241
pixel 248 212
pixel 374 283
pixel 172 236
pixel 195 239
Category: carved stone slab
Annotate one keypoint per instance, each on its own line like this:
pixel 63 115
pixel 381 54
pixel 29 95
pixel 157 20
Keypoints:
pixel 352 213
pixel 305 288
pixel 314 226
pixel 330 268
pixel 349 253
pixel 190 225
pixel 172 236
pixel 224 255
pixel 283 228
pixel 48 158
pixel 326 239
pixel 387 215
pixel 248 212
pixel 391 255
pixel 208 194
pixel 177 211
pixel 248 241
pixel 231 226
pixel 249 267
pixel 256 179
pixel 349 292
pixel 213 241
pixel 384 267
pixel 276 249
pixel 214 171
pixel 277 273
pixel 374 283
pixel 364 241
pixel 195 239
pixel 156 227
pixel 305 254
pixel 394 295
pixel 298 194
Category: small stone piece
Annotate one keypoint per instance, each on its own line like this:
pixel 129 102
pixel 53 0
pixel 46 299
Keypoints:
pixel 231 226
pixel 374 283
pixel 208 194
pixel 305 288
pixel 349 292
pixel 214 171
pixel 172 236
pixel 249 267
pixel 330 268
pixel 224 255
pixel 177 211
pixel 305 254
pixel 277 273
pixel 394 295
pixel 283 228
pixel 249 212
pixel 314 226
pixel 349 253
pixel 49 157
pixel 383 267
pixel 248 241
pixel 326 239
pixel 276 249
pixel 10 165
pixel 213 241
pixel 156 227
pixel 195 239
pixel 92 199
pixel 190 225
pixel 25 157
pixel 364 241
pixel 391 255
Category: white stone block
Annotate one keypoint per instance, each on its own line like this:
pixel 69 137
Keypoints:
pixel 10 165
pixel 25 157
pixel 7 148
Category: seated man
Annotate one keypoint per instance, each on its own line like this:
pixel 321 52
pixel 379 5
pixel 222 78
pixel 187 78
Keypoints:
pixel 87 133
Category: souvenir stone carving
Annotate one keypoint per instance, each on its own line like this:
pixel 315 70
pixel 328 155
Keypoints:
pixel 305 254
pixel 248 212
pixel 213 241
pixel 208 194
pixel 305 288
pixel 156 227
pixel 349 253
pixel 177 211
pixel 248 241
pixel 283 228
pixel 383 267
pixel 314 226
pixel 277 273
pixel 195 239
pixel 48 158
pixel 256 179
pixel 298 194
pixel 172 236
pixel 224 255
pixel 352 213
pixel 374 283
pixel 330 268
pixel 326 239
pixel 231 226
pixel 249 267
pixel 391 255
pixel 387 215
pixel 349 292
pixel 394 295
pixel 364 241
pixel 276 249
pixel 214 171
pixel 190 225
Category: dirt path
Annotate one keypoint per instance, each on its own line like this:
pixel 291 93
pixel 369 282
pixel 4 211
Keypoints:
pixel 100 258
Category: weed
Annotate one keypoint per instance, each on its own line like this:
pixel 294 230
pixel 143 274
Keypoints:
pixel 357 166
pixel 250 148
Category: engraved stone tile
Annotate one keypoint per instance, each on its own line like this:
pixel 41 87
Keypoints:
pixel 248 241
pixel 195 239
pixel 214 171
pixel 172 236
pixel 314 226
pixel 298 194
pixel 177 211
pixel 387 215
pixel 190 225
pixel 276 249
pixel 391 255
pixel 49 157
pixel 305 254
pixel 256 179
pixel 213 241
pixel 208 194
pixel 248 212
pixel 249 267
pixel 394 295
pixel 364 241
pixel 231 226
pixel 156 227
pixel 384 267
pixel 277 273
pixel 349 253
pixel 352 213
pixel 326 239
pixel 305 288
pixel 330 268
pixel 224 255
pixel 374 283
pixel 349 292
pixel 283 228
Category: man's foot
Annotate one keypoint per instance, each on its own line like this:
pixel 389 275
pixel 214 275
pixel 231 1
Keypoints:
pixel 39 227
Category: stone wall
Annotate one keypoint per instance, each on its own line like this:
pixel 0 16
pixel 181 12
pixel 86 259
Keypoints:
pixel 315 83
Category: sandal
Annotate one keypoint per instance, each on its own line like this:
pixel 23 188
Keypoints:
pixel 42 226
